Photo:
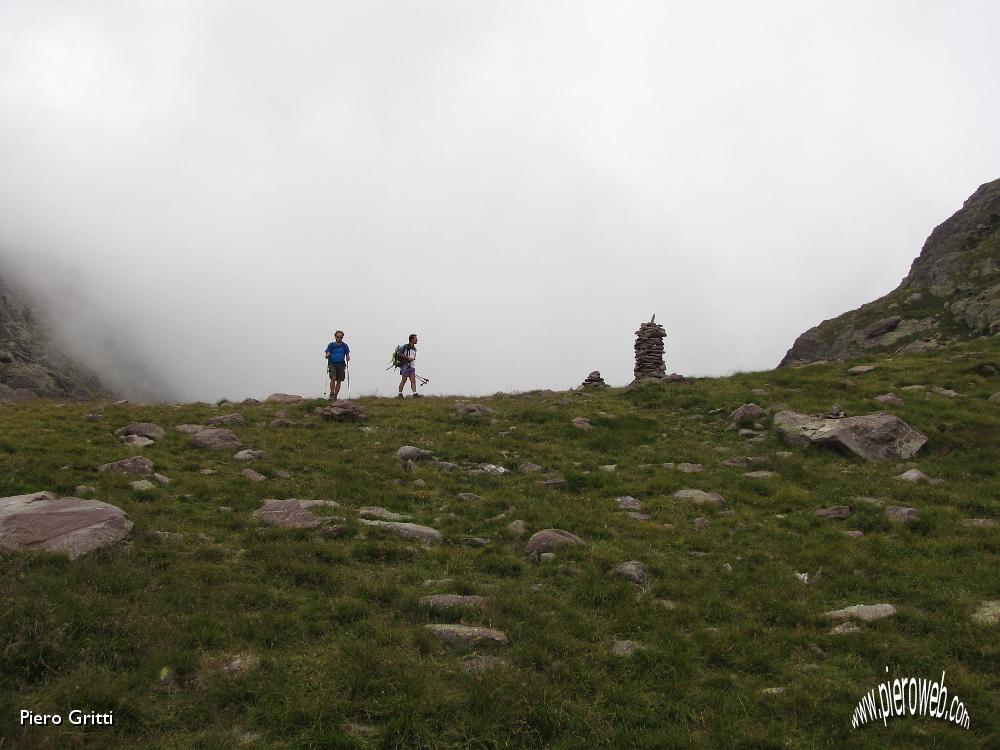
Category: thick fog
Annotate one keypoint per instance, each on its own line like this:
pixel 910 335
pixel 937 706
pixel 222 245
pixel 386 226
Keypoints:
pixel 215 187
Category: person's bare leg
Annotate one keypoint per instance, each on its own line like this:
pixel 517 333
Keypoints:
pixel 333 388
pixel 402 382
pixel 336 389
pixel 413 383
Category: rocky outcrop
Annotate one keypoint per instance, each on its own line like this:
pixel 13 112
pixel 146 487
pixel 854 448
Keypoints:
pixel 951 291
pixel 879 436
pixel 68 525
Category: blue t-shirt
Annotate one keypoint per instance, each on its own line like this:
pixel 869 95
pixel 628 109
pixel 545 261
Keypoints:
pixel 336 352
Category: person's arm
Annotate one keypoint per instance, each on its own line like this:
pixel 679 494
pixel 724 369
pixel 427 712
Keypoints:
pixel 326 354
pixel 347 353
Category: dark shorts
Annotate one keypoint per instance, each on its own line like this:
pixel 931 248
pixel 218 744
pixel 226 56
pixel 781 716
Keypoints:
pixel 337 370
pixel 407 370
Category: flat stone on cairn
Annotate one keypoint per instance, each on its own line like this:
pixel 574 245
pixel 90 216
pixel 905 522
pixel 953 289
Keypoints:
pixel 594 380
pixel 649 352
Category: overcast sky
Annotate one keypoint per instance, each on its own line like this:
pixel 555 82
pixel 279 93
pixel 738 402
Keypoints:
pixel 218 186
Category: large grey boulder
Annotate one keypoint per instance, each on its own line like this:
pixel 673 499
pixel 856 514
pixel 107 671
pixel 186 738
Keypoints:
pixel 68 525
pixel 412 453
pixel 879 436
pixel 746 414
pixel 218 438
pixel 142 429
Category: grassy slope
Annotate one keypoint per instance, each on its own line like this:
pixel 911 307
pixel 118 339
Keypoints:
pixel 338 625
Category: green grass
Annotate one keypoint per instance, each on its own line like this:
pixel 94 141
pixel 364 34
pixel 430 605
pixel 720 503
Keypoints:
pixel 337 624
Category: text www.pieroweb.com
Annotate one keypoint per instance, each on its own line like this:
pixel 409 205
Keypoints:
pixel 909 696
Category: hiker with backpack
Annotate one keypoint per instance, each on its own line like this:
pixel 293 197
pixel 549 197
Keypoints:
pixel 338 355
pixel 404 358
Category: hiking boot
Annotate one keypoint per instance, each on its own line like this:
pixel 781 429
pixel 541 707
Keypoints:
pixel 416 395
pixel 400 396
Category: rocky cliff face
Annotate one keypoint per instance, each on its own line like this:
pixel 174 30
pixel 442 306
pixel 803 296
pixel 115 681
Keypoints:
pixel 952 291
pixel 31 366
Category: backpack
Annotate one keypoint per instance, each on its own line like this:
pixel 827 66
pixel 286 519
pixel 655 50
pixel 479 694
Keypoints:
pixel 398 358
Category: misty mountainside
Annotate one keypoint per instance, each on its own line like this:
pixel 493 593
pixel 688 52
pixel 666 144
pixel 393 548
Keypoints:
pixel 951 292
pixel 87 361
pixel 689 564
pixel 31 365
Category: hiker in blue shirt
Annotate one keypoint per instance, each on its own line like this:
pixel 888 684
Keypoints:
pixel 338 354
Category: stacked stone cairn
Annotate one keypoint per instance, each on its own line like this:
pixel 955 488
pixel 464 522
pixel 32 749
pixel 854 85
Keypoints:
pixel 594 380
pixel 649 351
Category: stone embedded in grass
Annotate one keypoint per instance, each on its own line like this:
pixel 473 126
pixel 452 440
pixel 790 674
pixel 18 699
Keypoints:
pixel 854 533
pixel 865 612
pixel 633 570
pixel 142 429
pixel 134 465
pixel 860 369
pixel 746 414
pixel 547 540
pixel 137 441
pixel 283 398
pixel 527 467
pixel 84 490
pixel 438 582
pixel 69 525
pixel 343 411
pixel 453 601
pixel 161 478
pixel 625 648
pixel 241 664
pixel 190 429
pixel 845 628
pixel 995 398
pixel 281 423
pixel 229 420
pixel 384 514
pixel 217 438
pixel 609 468
pixel 987 614
pixel 554 484
pixel 468 637
pixel 248 455
pixel 412 453
pixel 253 476
pixel 945 392
pixel 93 417
pixel 482 662
pixel 700 497
pixel 760 474
pixel 474 541
pixel 468 496
pixel 409 530
pixel 738 462
pixel 913 475
pixel 700 522
pixel 878 436
pixel 970 522
pixel 889 399
pixel 474 410
pixel 286 514
pixel 627 502
pixel 686 468
pixel 493 469
pixel 517 528
pixel 582 423
pixel 834 511
pixel 637 516
pixel 168 536
pixel 901 514
pixel 142 485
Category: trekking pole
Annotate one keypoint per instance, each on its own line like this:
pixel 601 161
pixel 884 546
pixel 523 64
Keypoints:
pixel 348 368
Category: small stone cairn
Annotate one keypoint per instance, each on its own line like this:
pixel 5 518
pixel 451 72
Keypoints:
pixel 594 380
pixel 649 351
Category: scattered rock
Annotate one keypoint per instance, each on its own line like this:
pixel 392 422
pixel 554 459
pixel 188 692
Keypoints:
pixel 690 468
pixel 142 429
pixel 746 414
pixel 482 662
pixel 866 612
pixel 945 392
pixel 161 478
pixel 609 468
pixel 383 514
pixel 854 533
pixel 627 502
pixel 248 455
pixel 287 514
pixel 189 429
pixel 882 327
pixel 582 423
pixel 889 399
pixel 93 417
pixel 517 527
pixel 281 423
pixel 901 514
pixel 625 648
pixel 845 628
pixel 873 436
pixel 343 411
pixel 240 664
pixel 168 536
pixel 412 453
pixel 913 475
pixel 555 484
pixel 409 530
pixel 987 614
pixel 760 474
pixel 217 438
pixel 137 441
pixel 493 469
pixel 914 388
pixel 468 637
pixel 70 525
pixel 283 398
pixel 995 398
pixel 208 472
pixel 453 601
pixel 699 497
pixel 134 465
pixel 475 410
pixel 635 515
pixel 468 496
pixel 860 369
pixel 835 511
pixel 547 540
pixel 230 420
pixel 528 468
pixel 633 570
pixel 84 490
pixel 142 485
pixel 968 522
pixel 253 476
